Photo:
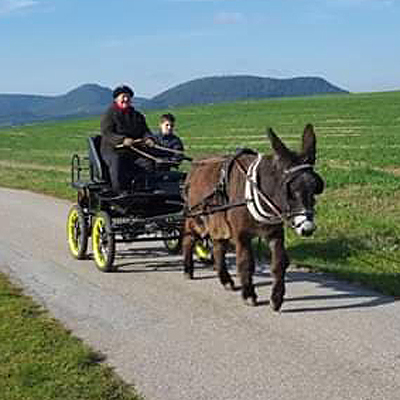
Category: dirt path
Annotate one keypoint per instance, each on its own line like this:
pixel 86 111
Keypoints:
pixel 192 340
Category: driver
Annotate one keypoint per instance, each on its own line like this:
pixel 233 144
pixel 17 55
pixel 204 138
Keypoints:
pixel 120 126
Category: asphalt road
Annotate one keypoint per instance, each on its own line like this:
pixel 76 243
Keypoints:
pixel 177 339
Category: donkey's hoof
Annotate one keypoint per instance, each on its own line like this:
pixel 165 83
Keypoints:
pixel 188 275
pixel 276 306
pixel 229 286
pixel 250 301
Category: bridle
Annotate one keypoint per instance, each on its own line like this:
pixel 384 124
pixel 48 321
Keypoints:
pixel 254 196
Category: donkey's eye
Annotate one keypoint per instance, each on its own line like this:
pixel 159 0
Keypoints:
pixel 319 185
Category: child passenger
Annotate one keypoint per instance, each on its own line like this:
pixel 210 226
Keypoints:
pixel 167 138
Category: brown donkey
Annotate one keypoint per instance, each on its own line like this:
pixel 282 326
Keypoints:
pixel 237 198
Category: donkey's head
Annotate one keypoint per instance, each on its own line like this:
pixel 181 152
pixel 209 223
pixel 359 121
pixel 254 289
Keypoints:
pixel 298 182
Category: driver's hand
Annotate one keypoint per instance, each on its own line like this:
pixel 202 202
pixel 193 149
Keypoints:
pixel 149 142
pixel 127 142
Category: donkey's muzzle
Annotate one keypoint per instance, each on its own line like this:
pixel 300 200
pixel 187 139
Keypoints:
pixel 303 225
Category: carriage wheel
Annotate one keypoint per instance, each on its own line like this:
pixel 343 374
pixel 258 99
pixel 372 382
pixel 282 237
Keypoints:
pixel 203 248
pixel 103 242
pixel 77 232
pixel 173 246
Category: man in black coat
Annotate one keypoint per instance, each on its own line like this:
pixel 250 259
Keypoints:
pixel 120 126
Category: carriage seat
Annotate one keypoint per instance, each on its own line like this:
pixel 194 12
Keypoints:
pixel 98 168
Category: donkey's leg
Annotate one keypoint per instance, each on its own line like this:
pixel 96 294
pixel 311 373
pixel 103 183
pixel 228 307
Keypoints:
pixel 245 268
pixel 279 263
pixel 219 249
pixel 187 250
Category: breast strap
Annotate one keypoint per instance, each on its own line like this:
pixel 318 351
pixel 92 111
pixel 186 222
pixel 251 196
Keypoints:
pixel 253 200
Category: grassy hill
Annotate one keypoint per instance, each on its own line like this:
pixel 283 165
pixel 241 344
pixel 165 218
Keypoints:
pixel 358 142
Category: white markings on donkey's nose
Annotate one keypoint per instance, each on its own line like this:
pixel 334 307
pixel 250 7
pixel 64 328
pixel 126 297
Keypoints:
pixel 303 226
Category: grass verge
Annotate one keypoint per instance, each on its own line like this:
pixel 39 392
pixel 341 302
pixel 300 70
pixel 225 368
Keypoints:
pixel 40 360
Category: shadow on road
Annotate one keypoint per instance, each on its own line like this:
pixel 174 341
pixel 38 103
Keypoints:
pixel 336 295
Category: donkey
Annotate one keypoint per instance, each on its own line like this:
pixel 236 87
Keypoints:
pixel 232 200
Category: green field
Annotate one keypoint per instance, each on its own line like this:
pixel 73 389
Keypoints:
pixel 358 155
pixel 358 215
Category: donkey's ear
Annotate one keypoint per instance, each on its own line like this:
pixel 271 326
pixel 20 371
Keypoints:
pixel 278 146
pixel 308 151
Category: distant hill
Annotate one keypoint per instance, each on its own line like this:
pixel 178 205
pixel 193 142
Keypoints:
pixel 91 99
pixel 84 101
pixel 234 88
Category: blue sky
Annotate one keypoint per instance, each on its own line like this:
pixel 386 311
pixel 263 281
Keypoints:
pixel 52 46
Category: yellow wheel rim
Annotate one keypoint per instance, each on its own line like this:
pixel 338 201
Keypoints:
pixel 98 251
pixel 202 251
pixel 73 232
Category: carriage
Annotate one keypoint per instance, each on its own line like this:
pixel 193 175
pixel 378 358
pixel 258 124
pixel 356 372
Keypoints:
pixel 151 211
pixel 228 200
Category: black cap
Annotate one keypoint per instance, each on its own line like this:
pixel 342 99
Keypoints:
pixel 122 89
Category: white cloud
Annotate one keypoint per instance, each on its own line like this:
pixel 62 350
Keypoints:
pixel 362 2
pixel 114 43
pixel 196 1
pixel 10 6
pixel 228 18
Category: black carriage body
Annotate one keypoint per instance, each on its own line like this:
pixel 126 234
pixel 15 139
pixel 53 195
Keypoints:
pixel 151 210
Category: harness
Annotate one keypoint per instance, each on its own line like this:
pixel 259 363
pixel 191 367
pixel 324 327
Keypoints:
pixel 218 199
pixel 254 197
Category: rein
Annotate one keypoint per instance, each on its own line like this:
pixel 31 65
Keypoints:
pixel 173 151
pixel 155 146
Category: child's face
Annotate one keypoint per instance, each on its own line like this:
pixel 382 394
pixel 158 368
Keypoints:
pixel 166 127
